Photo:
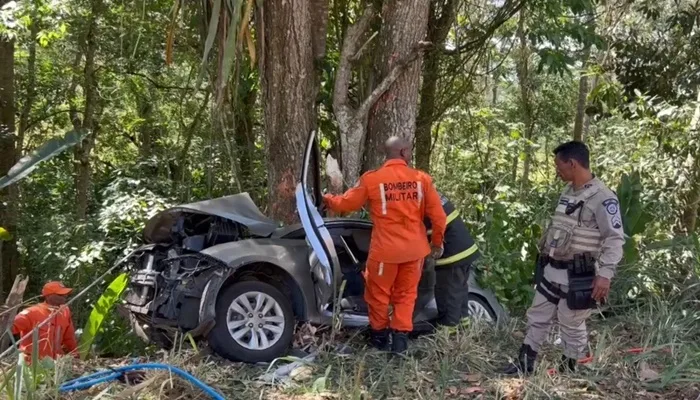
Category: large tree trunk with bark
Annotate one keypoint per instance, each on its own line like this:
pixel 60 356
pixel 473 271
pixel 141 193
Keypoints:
pixel 289 41
pixel 440 20
pixel 9 256
pixel 404 23
pixel 352 121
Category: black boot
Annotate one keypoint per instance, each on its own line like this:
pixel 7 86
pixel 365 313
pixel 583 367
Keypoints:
pixel 567 365
pixel 379 339
pixel 399 342
pixel 524 365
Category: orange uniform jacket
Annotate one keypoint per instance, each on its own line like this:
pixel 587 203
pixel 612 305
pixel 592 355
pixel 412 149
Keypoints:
pixel 55 338
pixel 399 198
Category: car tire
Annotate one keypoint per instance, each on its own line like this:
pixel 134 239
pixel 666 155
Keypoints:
pixel 477 303
pixel 275 342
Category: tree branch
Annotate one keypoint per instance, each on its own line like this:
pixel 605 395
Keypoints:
pixel 504 14
pixel 158 85
pixel 343 75
pixel 389 80
pixel 44 117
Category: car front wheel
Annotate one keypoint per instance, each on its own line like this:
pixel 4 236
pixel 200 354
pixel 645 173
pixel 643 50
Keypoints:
pixel 254 322
pixel 479 309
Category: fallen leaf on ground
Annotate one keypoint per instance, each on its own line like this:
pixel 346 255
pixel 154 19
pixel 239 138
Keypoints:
pixel 473 389
pixel 301 373
pixel 647 374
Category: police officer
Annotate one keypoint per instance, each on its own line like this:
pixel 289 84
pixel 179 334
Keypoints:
pixel 579 252
pixel 452 269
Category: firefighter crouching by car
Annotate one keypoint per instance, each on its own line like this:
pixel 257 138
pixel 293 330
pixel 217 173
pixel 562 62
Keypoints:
pixel 452 269
pixel 399 197
pixel 579 253
pixel 57 337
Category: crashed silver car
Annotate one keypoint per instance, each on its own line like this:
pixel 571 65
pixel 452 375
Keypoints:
pixel 221 270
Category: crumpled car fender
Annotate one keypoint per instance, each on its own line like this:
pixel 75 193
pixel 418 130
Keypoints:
pixel 289 255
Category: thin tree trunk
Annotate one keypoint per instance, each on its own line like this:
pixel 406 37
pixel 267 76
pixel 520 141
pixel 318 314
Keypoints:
pixel 523 73
pixel 289 85
pixel 404 24
pixel 692 197
pixel 31 82
pixel 9 256
pixel 245 138
pixel 580 119
pixel 440 20
pixel 83 175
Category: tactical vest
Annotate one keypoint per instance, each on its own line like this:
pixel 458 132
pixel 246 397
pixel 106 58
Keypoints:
pixel 458 244
pixel 565 235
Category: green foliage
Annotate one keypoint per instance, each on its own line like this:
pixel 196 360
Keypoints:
pixel 634 215
pixel 101 309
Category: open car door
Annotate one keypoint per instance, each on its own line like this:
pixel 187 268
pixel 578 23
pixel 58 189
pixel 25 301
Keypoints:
pixel 323 258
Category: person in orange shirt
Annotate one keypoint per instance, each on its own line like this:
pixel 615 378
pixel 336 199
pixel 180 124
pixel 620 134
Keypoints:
pixel 399 197
pixel 57 337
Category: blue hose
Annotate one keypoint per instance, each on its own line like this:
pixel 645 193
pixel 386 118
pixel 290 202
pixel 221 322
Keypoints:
pixel 85 382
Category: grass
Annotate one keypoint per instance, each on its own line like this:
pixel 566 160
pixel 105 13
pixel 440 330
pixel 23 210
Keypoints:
pixel 442 365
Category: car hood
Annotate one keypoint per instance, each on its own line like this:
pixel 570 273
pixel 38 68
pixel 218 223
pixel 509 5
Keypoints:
pixel 238 208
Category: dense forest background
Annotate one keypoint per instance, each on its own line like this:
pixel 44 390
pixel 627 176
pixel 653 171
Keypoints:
pixel 183 100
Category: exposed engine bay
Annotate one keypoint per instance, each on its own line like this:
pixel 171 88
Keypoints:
pixel 167 279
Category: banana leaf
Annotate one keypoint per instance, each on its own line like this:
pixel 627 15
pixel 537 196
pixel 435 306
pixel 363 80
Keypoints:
pixel 47 151
pixel 102 308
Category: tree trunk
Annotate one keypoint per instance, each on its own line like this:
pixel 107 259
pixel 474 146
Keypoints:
pixel 31 82
pixel 523 73
pixel 9 256
pixel 352 122
pixel 440 19
pixel 245 138
pixel 83 175
pixel 289 85
pixel 581 118
pixel 404 24
pixel 692 197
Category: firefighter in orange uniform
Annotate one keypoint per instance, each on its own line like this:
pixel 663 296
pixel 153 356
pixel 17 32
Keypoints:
pixel 57 337
pixel 399 197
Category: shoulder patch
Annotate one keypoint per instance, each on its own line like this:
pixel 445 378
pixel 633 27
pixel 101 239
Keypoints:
pixel 611 206
pixel 616 222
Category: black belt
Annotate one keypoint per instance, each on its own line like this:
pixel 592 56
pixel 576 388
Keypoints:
pixel 556 293
pixel 558 264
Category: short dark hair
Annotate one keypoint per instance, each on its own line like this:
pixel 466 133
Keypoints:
pixel 573 150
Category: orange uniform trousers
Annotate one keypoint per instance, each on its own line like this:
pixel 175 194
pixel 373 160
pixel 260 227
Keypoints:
pixel 395 284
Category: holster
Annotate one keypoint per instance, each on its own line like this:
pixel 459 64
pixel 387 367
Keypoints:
pixel 539 268
pixel 581 276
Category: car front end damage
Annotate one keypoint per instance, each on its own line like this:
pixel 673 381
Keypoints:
pixel 167 289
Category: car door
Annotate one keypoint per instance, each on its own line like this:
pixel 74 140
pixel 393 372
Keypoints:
pixel 323 258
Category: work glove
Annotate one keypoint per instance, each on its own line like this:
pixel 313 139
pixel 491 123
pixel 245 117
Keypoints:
pixel 436 252
pixel 428 264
